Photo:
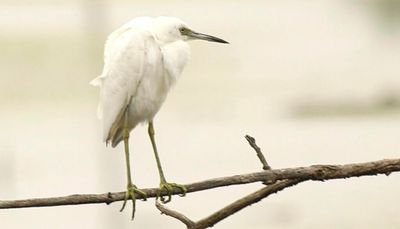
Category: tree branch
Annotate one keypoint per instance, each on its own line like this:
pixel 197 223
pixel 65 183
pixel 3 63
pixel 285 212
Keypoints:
pixel 273 186
pixel 315 172
pixel 244 202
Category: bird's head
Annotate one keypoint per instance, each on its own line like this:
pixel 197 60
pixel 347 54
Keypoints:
pixel 169 29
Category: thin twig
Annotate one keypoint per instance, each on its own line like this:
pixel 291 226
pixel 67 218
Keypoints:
pixel 179 216
pixel 315 172
pixel 260 155
pixel 244 202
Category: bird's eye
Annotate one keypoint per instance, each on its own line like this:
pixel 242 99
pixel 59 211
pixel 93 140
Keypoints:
pixel 182 29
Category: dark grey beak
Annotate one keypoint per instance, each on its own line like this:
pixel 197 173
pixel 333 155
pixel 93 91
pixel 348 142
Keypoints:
pixel 206 37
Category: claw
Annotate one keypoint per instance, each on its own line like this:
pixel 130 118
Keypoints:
pixel 131 194
pixel 169 188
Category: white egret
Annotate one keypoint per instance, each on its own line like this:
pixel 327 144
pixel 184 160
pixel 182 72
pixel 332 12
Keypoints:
pixel 142 61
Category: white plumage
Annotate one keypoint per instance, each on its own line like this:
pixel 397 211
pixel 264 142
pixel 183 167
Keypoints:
pixel 142 60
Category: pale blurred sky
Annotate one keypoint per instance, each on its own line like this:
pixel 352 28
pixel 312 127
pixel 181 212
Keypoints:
pixel 335 61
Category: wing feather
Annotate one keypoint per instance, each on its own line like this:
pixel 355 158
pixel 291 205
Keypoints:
pixel 124 63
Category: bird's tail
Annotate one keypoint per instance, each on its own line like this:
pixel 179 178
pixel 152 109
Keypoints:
pixel 116 138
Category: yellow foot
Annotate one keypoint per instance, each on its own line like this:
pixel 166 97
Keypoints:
pixel 131 194
pixel 169 188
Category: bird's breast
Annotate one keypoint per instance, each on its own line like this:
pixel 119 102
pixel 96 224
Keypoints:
pixel 159 76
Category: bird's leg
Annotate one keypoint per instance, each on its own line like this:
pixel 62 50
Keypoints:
pixel 132 190
pixel 164 185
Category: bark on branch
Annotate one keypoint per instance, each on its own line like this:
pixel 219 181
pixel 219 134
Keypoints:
pixel 314 172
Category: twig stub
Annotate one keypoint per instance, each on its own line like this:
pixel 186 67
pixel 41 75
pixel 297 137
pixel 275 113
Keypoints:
pixel 260 155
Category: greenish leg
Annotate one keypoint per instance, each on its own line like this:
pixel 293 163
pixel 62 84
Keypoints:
pixel 164 185
pixel 132 190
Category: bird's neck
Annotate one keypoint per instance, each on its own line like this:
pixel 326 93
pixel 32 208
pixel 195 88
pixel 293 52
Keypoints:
pixel 175 55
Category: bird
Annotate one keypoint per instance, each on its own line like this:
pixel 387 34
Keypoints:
pixel 143 59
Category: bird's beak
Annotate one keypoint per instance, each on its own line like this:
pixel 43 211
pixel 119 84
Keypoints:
pixel 201 36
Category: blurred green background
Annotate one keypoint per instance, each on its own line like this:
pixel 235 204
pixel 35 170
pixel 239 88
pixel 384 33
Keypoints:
pixel 313 81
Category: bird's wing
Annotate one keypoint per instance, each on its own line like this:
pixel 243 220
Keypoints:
pixel 109 51
pixel 125 62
